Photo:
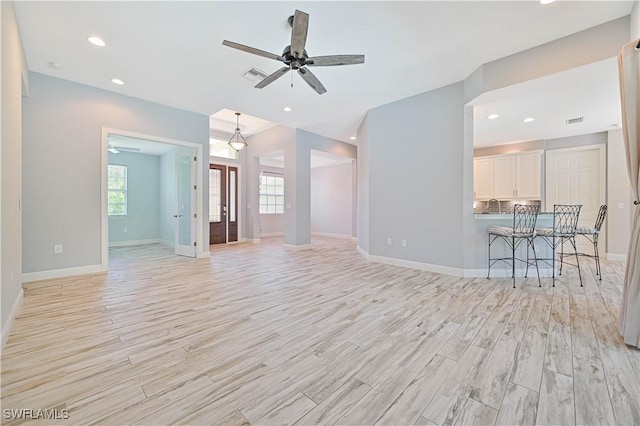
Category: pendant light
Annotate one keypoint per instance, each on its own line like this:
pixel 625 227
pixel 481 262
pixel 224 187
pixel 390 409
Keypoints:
pixel 237 141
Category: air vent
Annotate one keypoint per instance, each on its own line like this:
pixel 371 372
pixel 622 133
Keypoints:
pixel 255 75
pixel 574 120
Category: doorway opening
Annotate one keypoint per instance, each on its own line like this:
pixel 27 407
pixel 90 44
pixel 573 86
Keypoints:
pixel 150 193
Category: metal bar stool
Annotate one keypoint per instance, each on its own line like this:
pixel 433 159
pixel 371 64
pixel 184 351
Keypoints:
pixel 592 234
pixel 565 222
pixel 524 223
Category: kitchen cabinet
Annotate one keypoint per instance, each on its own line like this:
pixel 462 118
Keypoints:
pixel 508 177
pixel 505 177
pixel 483 180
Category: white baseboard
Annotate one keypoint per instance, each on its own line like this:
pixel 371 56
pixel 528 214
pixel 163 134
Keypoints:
pixel 6 329
pixel 439 269
pixel 362 252
pixel 136 242
pixel 325 234
pixel 202 254
pixel 298 246
pixel 448 270
pixel 271 234
pixel 617 257
pixel 59 273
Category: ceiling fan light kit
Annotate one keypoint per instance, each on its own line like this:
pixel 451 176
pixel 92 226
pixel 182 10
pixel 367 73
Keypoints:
pixel 237 141
pixel 295 57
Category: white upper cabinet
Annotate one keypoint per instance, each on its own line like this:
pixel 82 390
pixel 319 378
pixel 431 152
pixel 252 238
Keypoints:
pixel 483 178
pixel 528 176
pixel 507 177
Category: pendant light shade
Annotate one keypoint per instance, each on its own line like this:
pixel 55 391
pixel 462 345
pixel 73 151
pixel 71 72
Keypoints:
pixel 237 141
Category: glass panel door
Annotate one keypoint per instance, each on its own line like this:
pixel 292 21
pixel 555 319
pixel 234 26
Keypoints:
pixel 185 203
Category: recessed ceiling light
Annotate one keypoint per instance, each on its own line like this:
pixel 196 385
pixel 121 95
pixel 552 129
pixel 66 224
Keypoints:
pixel 546 1
pixel 286 109
pixel 117 81
pixel 55 65
pixel 97 41
pixel 528 119
pixel 353 138
pixel 493 116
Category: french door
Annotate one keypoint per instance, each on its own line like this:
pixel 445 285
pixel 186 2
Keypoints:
pixel 223 204
pixel 185 204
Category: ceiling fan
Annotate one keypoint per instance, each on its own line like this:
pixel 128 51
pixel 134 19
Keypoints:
pixel 117 149
pixel 295 56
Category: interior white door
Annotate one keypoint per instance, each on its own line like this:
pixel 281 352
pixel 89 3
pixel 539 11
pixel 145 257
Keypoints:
pixel 575 176
pixel 185 229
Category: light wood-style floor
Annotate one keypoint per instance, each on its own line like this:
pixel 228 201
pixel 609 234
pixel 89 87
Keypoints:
pixel 268 335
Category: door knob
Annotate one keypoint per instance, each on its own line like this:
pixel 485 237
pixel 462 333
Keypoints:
pixel 177 215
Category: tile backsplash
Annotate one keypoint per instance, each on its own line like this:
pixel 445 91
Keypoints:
pixel 503 206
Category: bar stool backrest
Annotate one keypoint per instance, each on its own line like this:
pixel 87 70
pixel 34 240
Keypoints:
pixel 524 218
pixel 565 219
pixel 601 215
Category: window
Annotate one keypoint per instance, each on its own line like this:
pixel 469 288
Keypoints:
pixel 271 194
pixel 117 190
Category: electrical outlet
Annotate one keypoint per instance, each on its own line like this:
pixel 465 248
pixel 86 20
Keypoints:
pixel 57 248
pixel 125 230
pixel 388 241
pixel 621 205
pixel 404 243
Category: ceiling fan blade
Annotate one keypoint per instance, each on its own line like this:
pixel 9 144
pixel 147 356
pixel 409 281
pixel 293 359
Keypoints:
pixel 252 50
pixel 331 60
pixel 312 80
pixel 299 33
pixel 272 77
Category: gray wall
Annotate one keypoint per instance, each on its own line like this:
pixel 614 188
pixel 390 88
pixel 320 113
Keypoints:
pixel 296 145
pixel 415 177
pixel 618 191
pixel 143 199
pixel 362 199
pixel 332 199
pixel 15 79
pixel 62 157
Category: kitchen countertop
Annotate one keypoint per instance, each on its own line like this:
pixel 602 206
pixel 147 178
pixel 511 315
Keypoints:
pixel 506 216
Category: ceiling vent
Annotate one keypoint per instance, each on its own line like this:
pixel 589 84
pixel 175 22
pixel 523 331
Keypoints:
pixel 255 75
pixel 574 120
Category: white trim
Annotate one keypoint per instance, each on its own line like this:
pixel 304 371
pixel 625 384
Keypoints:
pixel 104 160
pixel 448 270
pixel 249 240
pixel 6 330
pixel 325 234
pixel 617 257
pixel 59 273
pixel 439 269
pixel 203 253
pixel 135 242
pixel 271 234
pixel 298 246
pixel 362 252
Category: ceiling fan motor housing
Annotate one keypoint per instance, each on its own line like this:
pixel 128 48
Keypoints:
pixel 292 61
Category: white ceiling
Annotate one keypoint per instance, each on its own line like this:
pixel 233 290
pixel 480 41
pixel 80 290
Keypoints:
pixel 591 91
pixel 223 122
pixel 138 146
pixel 171 52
